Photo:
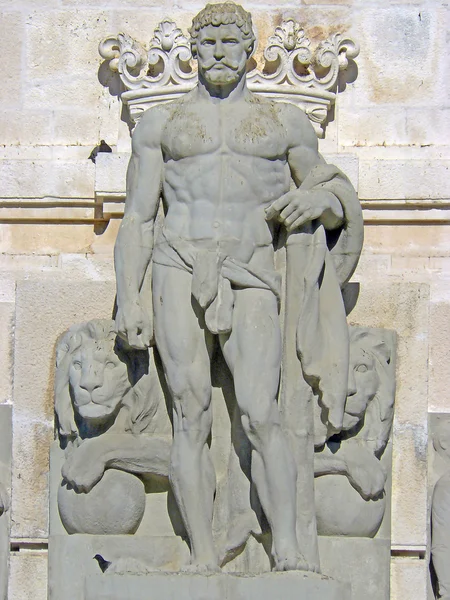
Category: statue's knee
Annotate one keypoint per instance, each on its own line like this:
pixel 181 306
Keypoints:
pixel 187 392
pixel 258 425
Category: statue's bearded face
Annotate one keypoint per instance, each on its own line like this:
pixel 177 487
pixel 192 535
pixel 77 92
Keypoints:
pixel 222 54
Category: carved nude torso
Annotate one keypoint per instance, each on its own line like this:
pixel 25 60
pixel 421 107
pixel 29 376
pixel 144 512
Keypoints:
pixel 224 164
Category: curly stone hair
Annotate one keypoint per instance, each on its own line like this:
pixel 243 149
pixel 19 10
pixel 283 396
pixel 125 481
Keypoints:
pixel 224 13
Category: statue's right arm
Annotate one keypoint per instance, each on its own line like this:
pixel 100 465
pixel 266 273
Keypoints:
pixel 134 245
pixel 139 454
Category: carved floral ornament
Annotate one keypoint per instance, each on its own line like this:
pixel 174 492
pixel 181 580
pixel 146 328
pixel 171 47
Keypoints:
pixel 292 71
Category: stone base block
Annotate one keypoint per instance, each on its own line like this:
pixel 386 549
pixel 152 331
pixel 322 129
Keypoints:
pixel 362 562
pixel 293 585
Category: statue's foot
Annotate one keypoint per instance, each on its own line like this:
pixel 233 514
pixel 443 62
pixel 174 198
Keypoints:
pixel 295 563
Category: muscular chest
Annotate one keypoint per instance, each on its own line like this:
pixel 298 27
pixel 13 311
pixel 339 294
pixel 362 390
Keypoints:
pixel 242 130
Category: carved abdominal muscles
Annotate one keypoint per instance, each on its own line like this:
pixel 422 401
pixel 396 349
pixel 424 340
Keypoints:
pixel 103 401
pixel 354 505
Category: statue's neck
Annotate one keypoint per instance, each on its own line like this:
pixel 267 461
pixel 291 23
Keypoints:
pixel 223 93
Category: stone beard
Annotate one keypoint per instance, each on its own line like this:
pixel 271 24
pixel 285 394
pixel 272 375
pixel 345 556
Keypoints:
pixel 224 159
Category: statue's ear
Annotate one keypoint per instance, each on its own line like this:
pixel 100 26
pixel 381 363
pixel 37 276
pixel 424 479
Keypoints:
pixel 250 49
pixel 194 49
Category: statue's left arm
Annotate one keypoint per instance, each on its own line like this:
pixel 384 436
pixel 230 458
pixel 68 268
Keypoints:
pixel 300 206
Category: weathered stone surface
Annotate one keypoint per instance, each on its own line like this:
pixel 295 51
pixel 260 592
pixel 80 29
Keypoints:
pixel 439 383
pixel 11 23
pixel 5 495
pixel 405 308
pixel 399 179
pixel 37 179
pixel 290 586
pixel 409 578
pixel 6 350
pixel 28 575
pixel 44 309
pixel 362 562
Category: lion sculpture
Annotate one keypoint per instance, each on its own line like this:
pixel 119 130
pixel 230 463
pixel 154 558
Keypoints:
pixel 105 404
pixel 350 477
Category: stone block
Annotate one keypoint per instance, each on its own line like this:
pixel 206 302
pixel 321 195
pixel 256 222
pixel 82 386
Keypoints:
pixel 65 91
pixel 85 127
pixel 348 163
pixel 395 39
pixel 28 575
pixel 409 492
pixel 269 586
pixel 6 350
pixel 439 385
pixel 408 579
pixel 46 239
pixel 375 126
pixel 110 174
pixel 44 310
pixel 65 41
pixel 427 126
pixel 377 265
pixel 397 179
pixel 26 127
pixel 415 264
pixel 166 552
pixel 363 562
pixel 140 24
pixel 5 481
pixel 413 240
pixel 11 45
pixel 40 178
pixel 7 287
pixel 404 308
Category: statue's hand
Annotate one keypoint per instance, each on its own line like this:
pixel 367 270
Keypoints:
pixel 134 325
pixel 298 207
pixel 84 467
pixel 366 475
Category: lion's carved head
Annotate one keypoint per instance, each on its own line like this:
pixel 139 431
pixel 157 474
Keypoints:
pixel 369 407
pixel 100 384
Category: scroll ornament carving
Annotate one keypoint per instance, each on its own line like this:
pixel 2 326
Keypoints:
pixel 293 72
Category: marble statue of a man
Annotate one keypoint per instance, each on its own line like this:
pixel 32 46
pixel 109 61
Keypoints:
pixel 222 159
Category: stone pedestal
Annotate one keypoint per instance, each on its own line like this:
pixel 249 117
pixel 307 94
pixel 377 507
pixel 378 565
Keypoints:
pixel 132 574
pixel 293 585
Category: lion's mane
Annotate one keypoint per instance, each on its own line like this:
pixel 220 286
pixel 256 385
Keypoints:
pixel 375 427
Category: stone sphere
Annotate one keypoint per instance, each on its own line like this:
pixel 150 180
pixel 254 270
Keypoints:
pixel 340 510
pixel 114 506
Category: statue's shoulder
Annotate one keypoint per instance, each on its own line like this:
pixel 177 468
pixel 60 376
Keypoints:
pixel 297 123
pixel 291 114
pixel 150 126
pixel 154 116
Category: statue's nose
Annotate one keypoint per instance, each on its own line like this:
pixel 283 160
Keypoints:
pixel 91 379
pixel 218 51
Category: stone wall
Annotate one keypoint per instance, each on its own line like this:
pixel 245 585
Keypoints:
pixel 390 131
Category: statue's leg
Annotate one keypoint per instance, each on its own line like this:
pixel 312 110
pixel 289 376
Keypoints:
pixel 185 347
pixel 253 353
